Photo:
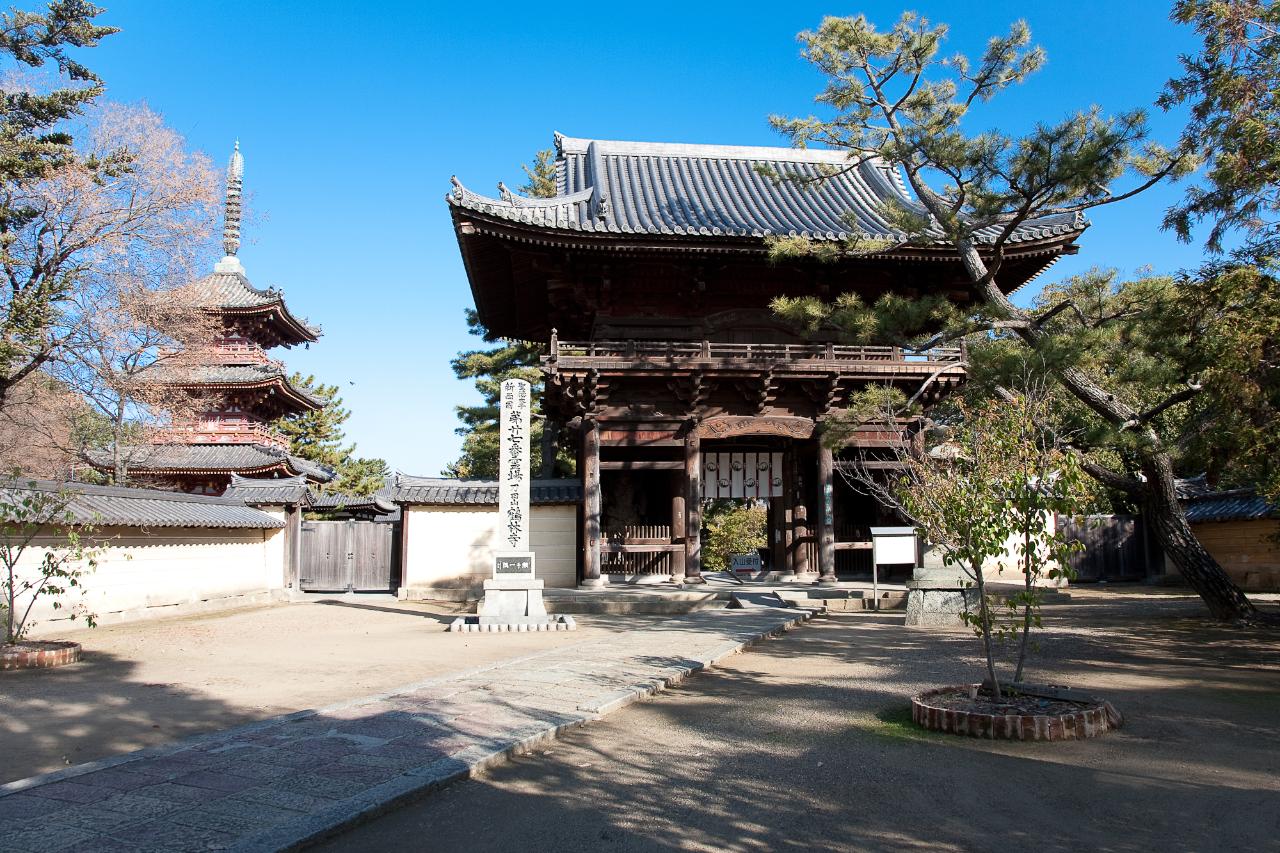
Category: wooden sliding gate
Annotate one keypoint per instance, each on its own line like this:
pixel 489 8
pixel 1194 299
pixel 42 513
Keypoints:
pixel 346 556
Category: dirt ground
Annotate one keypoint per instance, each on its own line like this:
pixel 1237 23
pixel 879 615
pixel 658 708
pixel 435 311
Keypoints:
pixel 805 743
pixel 150 683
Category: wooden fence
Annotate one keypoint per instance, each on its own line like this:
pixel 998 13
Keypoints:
pixel 1116 548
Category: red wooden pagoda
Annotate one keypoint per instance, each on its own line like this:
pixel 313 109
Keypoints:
pixel 670 368
pixel 241 388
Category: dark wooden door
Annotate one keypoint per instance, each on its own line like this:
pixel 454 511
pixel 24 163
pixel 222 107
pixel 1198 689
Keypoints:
pixel 346 556
pixel 1115 547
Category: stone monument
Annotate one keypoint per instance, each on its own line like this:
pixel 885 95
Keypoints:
pixel 513 596
pixel 938 594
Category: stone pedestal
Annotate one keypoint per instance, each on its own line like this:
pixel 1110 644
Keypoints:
pixel 938 594
pixel 508 600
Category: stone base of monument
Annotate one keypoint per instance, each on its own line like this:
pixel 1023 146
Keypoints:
pixel 473 624
pixel 938 604
pixel 937 595
pixel 512 604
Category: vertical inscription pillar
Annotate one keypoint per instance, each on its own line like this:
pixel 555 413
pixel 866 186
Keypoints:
pixel 693 508
pixel 591 505
pixel 826 516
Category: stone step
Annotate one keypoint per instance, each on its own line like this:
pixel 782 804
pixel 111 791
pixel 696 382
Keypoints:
pixel 622 602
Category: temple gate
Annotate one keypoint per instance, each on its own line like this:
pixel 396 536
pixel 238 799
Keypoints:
pixel 649 278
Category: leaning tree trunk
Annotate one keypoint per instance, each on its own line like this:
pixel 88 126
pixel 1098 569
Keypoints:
pixel 1224 599
pixel 1162 509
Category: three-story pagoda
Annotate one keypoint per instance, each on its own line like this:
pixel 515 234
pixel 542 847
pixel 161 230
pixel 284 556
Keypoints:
pixel 239 389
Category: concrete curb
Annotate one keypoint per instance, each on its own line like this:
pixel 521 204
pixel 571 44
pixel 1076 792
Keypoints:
pixel 421 781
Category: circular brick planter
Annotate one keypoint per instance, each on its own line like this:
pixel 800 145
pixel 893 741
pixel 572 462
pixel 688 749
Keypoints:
pixel 1090 721
pixel 38 655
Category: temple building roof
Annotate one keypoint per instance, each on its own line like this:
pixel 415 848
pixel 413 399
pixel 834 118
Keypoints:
pixel 115 505
pixel 234 377
pixel 445 491
pixel 265 491
pixel 207 459
pixel 229 292
pixel 718 191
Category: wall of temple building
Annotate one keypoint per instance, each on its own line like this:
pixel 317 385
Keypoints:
pixel 1246 549
pixel 144 573
pixel 451 547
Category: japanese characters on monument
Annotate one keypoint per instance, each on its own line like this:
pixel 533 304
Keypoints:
pixel 513 475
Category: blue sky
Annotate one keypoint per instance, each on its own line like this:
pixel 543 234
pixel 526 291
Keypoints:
pixel 353 116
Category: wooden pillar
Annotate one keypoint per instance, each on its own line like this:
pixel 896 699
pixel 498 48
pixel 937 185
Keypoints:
pixel 777 536
pixel 550 446
pixel 800 538
pixel 826 516
pixel 788 501
pixel 693 509
pixel 678 530
pixel 591 505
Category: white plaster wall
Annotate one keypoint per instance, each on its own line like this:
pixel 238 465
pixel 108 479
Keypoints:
pixel 143 573
pixel 1007 568
pixel 452 547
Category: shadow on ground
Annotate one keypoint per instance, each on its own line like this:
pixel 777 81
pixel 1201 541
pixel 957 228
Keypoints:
pixel 803 744
pixel 52 718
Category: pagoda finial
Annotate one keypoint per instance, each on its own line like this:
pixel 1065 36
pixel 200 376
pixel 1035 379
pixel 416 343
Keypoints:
pixel 231 222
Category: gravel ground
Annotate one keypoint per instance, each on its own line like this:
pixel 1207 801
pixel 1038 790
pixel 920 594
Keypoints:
pixel 804 743
pixel 150 683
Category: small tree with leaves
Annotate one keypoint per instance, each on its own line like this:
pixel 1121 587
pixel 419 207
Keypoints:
pixel 732 528
pixel 985 487
pixel 28 513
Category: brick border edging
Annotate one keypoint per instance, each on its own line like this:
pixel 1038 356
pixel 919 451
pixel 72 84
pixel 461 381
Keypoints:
pixel 65 652
pixel 1078 725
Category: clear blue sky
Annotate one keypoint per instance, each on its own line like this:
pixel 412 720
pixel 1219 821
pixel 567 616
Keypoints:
pixel 352 117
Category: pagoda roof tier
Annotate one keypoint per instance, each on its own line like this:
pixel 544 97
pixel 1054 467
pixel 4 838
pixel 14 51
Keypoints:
pixel 539 263
pixel 213 459
pixel 229 293
pixel 244 378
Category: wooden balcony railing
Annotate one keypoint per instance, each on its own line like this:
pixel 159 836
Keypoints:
pixel 215 432
pixel 769 353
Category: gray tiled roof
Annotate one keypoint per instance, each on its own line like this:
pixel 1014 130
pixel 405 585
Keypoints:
pixel 112 505
pixel 355 503
pixel 213 458
pixel 443 491
pixel 232 290
pixel 1235 505
pixel 266 490
pixel 717 191
pixel 235 374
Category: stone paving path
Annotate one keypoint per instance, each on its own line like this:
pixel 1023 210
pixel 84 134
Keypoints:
pixel 278 783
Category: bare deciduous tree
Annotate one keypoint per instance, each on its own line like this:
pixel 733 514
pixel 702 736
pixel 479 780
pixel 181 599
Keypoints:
pixel 98 276
pixel 132 206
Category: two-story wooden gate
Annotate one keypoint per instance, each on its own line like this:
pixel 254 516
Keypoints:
pixel 348 556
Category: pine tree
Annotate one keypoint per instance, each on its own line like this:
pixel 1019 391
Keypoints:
pixel 490 367
pixel 317 436
pixel 897 99
pixel 1233 88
